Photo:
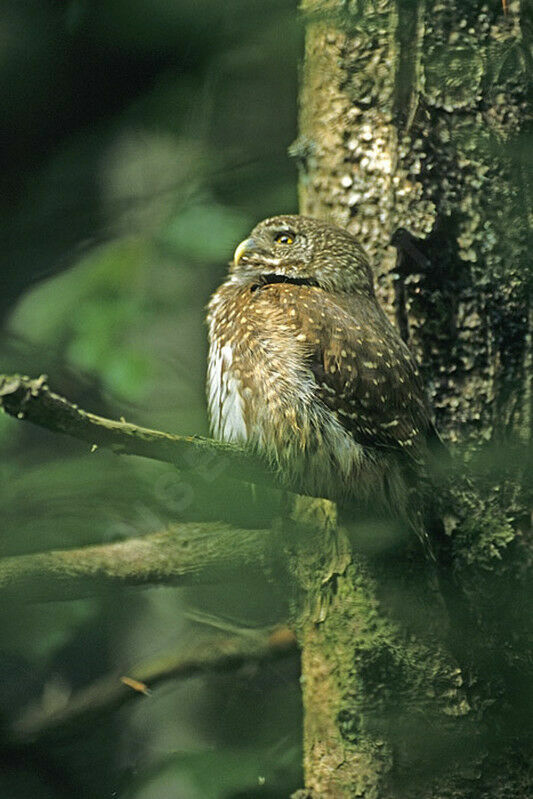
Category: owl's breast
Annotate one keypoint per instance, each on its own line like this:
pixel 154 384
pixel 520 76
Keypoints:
pixel 256 369
pixel 263 392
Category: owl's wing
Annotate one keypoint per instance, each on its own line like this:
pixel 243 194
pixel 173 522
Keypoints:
pixel 366 374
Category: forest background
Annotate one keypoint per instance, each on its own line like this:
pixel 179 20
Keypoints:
pixel 140 143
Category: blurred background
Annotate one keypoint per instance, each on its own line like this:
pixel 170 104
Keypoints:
pixel 140 142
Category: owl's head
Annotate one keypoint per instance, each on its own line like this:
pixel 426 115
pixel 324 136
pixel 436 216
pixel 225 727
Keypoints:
pixel 302 250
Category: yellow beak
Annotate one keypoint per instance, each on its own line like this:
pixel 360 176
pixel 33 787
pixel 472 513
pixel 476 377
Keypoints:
pixel 244 247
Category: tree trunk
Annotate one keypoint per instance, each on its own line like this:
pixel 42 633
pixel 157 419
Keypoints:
pixel 413 116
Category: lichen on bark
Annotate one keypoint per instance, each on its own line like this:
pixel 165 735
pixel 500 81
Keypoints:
pixel 427 140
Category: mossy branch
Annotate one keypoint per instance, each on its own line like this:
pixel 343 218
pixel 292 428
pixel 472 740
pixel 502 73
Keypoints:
pixel 217 655
pixel 184 554
pixel 33 401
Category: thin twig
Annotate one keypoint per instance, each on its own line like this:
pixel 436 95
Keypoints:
pixel 33 401
pixel 105 695
pixel 184 554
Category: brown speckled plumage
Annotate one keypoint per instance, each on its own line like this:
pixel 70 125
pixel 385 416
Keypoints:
pixel 305 367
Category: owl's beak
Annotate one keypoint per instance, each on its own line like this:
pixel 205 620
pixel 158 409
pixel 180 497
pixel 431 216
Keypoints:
pixel 246 246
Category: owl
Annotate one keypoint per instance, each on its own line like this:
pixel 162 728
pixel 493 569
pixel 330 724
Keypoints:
pixel 306 369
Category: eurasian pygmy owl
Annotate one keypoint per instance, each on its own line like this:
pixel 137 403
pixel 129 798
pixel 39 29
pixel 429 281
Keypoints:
pixel 305 367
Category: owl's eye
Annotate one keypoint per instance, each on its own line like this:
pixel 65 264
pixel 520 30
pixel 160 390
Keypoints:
pixel 284 238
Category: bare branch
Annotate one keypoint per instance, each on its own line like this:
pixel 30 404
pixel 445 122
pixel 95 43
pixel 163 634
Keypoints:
pixel 31 400
pixel 109 693
pixel 184 554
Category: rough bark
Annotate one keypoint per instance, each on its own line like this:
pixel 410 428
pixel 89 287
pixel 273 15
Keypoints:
pixel 413 115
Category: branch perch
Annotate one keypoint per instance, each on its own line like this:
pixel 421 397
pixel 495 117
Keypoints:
pixel 185 554
pixel 33 401
pixel 215 656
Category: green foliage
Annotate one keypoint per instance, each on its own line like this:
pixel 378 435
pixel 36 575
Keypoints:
pixel 94 310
